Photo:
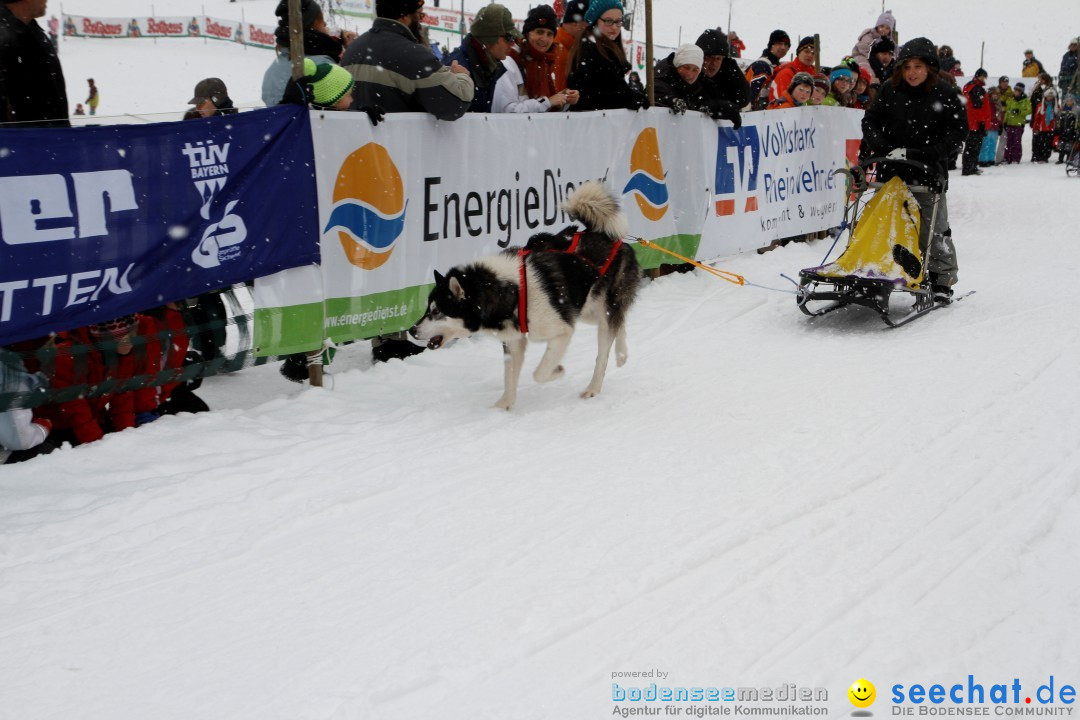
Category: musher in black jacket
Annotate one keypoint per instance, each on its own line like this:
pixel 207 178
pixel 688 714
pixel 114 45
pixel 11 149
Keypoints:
pixel 918 116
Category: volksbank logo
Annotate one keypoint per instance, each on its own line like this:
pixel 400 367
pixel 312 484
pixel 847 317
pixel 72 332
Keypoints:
pixel 737 158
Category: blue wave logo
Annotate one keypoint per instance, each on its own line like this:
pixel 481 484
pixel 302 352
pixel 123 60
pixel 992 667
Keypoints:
pixel 378 231
pixel 654 191
pixel 369 206
pixel 647 176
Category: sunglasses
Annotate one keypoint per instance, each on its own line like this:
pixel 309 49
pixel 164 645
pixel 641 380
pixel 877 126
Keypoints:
pixel 609 22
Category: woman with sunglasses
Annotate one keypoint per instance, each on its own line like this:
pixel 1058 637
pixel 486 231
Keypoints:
pixel 598 64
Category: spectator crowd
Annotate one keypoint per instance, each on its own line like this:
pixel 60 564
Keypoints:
pixel 573 61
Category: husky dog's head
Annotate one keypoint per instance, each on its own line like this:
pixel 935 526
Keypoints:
pixel 449 315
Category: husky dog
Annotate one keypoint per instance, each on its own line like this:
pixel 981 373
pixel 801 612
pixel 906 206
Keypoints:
pixel 569 276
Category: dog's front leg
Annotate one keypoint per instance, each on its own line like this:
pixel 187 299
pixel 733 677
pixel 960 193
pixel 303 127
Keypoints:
pixel 513 359
pixel 604 338
pixel 550 368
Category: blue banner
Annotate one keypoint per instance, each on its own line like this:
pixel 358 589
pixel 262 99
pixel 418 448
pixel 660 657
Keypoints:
pixel 101 222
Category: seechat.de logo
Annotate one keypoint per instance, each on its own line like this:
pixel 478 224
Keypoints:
pixel 647 176
pixel 369 206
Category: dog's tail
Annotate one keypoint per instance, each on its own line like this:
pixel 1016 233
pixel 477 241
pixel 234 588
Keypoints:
pixel 598 209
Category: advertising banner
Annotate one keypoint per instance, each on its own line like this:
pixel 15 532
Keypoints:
pixel 98 222
pixel 414 195
pixel 158 27
pixel 79 26
pixel 774 177
pixel 260 35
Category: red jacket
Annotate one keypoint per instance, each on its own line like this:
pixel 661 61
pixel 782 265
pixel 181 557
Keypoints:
pixel 162 329
pixel 86 416
pixel 783 75
pixel 978 105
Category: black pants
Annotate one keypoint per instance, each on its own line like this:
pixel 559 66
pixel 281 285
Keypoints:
pixel 972 146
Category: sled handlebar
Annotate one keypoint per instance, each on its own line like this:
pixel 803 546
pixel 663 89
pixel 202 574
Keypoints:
pixel 921 166
pixel 860 183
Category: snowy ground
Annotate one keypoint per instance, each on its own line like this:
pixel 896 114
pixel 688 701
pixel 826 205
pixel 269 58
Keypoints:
pixel 756 498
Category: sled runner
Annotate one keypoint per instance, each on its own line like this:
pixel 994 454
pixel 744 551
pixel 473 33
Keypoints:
pixel 1072 162
pixel 882 267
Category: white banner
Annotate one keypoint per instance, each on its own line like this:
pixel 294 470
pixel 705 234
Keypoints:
pixel 414 195
pixel 774 177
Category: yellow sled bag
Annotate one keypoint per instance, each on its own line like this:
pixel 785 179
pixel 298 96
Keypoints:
pixel 884 244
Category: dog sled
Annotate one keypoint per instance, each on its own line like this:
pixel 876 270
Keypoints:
pixel 883 267
pixel 1072 161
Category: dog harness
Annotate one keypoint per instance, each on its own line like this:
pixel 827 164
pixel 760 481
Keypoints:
pixel 523 295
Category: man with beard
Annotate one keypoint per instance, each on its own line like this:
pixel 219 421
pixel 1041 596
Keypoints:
pixel 726 88
pixel 396 72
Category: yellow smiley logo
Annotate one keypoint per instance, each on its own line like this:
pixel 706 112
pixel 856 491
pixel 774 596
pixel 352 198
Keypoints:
pixel 862 693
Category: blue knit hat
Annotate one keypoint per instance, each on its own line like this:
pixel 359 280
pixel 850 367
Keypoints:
pixel 841 72
pixel 599 7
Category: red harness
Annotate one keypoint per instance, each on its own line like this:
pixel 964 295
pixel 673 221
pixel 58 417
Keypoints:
pixel 523 295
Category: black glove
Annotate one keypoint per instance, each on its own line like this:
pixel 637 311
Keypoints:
pixel 727 111
pixel 640 101
pixel 374 113
pixel 678 106
pixel 982 126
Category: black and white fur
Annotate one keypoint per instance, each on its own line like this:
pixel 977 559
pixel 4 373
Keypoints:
pixel 562 288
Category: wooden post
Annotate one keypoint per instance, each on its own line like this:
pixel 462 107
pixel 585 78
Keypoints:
pixel 649 70
pixel 296 39
pixel 982 52
pixel 817 53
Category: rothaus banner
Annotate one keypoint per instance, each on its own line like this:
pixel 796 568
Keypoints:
pixel 99 222
pixel 414 195
pixel 774 178
pixel 177 27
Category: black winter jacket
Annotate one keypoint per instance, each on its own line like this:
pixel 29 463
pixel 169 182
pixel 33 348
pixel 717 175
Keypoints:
pixel 727 90
pixel 31 79
pixel 484 77
pixel 930 124
pixel 396 73
pixel 671 87
pixel 601 81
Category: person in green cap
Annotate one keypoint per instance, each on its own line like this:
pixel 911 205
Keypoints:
pixel 482 51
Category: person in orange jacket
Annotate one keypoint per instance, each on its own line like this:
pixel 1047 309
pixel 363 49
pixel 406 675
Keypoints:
pixel 803 63
pixel 798 92
pixel 573 25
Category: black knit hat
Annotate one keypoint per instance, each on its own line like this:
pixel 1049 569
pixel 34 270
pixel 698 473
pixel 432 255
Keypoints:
pixel 981 72
pixel 779 36
pixel 540 17
pixel 394 9
pixel 882 45
pixel 919 48
pixel 309 12
pixel 575 11
pixel 807 41
pixel 714 42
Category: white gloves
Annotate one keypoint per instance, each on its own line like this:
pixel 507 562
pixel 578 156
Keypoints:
pixel 897 154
